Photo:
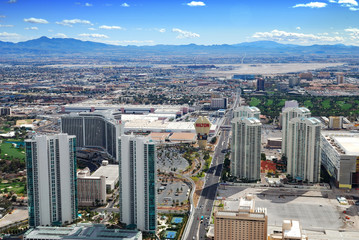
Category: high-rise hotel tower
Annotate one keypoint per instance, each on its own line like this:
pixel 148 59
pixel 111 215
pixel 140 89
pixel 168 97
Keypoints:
pixel 246 143
pixel 51 179
pixel 137 161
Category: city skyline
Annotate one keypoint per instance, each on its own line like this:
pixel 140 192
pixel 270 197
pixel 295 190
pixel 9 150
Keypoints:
pixel 136 22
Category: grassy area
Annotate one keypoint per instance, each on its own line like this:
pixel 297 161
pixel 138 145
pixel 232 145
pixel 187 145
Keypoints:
pixel 17 187
pixel 195 179
pixel 255 101
pixel 271 105
pixel 326 104
pixel 7 148
pixel 269 102
pixel 207 164
pixel 308 104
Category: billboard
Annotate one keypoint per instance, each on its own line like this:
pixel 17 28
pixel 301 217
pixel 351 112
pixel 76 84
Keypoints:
pixel 202 126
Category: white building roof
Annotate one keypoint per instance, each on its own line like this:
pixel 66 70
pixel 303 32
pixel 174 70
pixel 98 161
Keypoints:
pixel 348 144
pixel 294 231
pixel 111 172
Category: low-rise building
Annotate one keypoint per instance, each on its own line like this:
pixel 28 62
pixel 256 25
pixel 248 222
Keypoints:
pixel 81 231
pixel 111 173
pixel 91 190
pixel 335 122
pixel 291 230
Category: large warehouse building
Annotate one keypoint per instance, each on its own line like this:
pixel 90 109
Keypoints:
pixel 340 157
pixel 92 106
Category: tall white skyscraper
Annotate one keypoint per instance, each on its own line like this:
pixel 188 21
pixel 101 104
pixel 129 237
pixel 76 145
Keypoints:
pixel 137 161
pixel 304 149
pixel 51 179
pixel 246 112
pixel 246 148
pixel 289 113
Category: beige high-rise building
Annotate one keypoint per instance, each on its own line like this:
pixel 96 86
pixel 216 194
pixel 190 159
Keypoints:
pixel 240 220
pixel 246 148
pixel 304 149
pixel 288 113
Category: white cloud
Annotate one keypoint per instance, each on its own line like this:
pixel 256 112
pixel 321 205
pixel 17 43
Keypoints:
pixel 60 35
pixel 88 5
pixel 5 36
pixel 70 22
pixel 348 2
pixel 298 28
pixel 185 34
pixel 12 1
pixel 111 27
pixel 283 36
pixel 311 5
pixel 6 25
pixel 162 30
pixel 351 4
pixel 353 32
pixel 2 16
pixel 93 35
pixel 196 4
pixel 31 28
pixel 35 20
pixel 125 5
pixel 92 29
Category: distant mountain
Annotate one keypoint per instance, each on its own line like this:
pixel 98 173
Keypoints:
pixel 64 46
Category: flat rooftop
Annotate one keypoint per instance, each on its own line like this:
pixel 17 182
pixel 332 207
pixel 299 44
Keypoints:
pixel 82 231
pixel 161 126
pixel 178 136
pixel 158 136
pixel 111 172
pixel 344 142
pixel 294 230
pixel 348 144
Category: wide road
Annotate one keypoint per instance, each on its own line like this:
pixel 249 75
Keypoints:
pixel 208 195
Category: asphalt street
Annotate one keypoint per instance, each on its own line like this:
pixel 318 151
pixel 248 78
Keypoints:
pixel 208 195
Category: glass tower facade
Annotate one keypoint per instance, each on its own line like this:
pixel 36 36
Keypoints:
pixel 51 179
pixel 137 177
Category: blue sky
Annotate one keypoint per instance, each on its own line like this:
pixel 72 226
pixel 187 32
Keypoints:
pixel 150 22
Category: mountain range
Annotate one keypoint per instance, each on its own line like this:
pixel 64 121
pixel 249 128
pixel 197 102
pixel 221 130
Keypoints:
pixel 65 46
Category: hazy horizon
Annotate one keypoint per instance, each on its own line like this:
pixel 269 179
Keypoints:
pixel 179 22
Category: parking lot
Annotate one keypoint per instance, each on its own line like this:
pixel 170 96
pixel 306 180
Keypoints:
pixel 170 158
pixel 312 210
pixel 17 215
pixel 172 192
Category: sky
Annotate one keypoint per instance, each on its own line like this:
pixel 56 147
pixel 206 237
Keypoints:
pixel 207 22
